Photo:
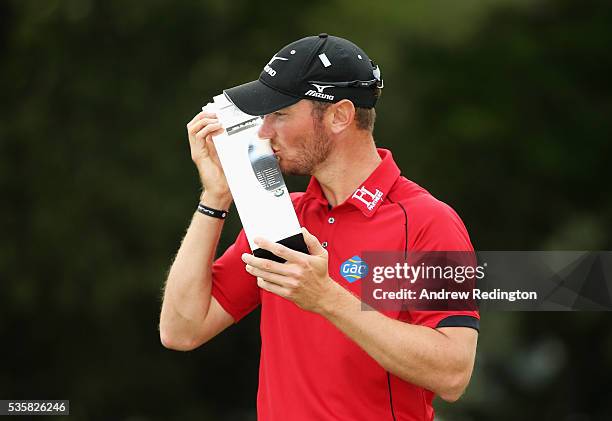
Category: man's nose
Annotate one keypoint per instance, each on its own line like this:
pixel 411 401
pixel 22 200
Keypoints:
pixel 266 131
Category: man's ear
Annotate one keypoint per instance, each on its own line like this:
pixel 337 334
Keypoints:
pixel 343 114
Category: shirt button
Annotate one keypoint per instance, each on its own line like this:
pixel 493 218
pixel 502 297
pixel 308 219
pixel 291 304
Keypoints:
pixel 324 244
pixel 331 220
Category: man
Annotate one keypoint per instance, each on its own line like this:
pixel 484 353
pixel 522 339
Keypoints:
pixel 322 357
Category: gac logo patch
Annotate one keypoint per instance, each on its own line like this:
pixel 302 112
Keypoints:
pixel 354 269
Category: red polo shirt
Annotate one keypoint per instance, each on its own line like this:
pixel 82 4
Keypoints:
pixel 309 370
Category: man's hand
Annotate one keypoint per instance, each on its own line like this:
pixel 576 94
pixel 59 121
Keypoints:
pixel 303 278
pixel 440 360
pixel 204 155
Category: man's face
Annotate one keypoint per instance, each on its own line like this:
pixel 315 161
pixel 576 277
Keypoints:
pixel 300 142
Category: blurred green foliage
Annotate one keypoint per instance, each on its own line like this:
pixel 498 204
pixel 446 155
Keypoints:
pixel 500 108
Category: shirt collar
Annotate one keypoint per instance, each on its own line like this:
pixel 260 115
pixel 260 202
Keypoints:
pixel 371 192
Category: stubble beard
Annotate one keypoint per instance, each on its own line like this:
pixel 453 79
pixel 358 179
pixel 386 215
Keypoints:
pixel 311 151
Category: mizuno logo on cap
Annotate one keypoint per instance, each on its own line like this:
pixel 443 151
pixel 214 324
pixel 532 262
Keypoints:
pixel 319 92
pixel 270 70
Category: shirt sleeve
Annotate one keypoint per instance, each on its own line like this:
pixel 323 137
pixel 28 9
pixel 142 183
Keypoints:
pixel 437 227
pixel 233 287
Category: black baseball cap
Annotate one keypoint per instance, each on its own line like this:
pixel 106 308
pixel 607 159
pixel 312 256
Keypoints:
pixel 321 68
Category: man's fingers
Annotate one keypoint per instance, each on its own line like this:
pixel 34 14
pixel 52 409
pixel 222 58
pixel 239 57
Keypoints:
pixel 201 115
pixel 267 265
pixel 280 250
pixel 275 278
pixel 273 288
pixel 210 129
pixel 195 118
pixel 196 126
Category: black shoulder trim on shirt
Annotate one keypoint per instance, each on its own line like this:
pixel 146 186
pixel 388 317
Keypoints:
pixel 460 321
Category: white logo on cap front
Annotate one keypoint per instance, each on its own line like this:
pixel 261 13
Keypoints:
pixel 270 70
pixel 276 58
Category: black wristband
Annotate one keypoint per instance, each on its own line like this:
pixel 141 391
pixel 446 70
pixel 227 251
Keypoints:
pixel 215 213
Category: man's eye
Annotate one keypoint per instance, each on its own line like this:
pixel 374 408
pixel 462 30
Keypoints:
pixel 278 114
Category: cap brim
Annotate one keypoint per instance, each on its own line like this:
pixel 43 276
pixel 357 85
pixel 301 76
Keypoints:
pixel 255 98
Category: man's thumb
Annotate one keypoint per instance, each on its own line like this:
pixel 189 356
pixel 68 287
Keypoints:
pixel 314 247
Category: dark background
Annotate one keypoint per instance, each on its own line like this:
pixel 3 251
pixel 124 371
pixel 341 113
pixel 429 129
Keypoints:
pixel 500 108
